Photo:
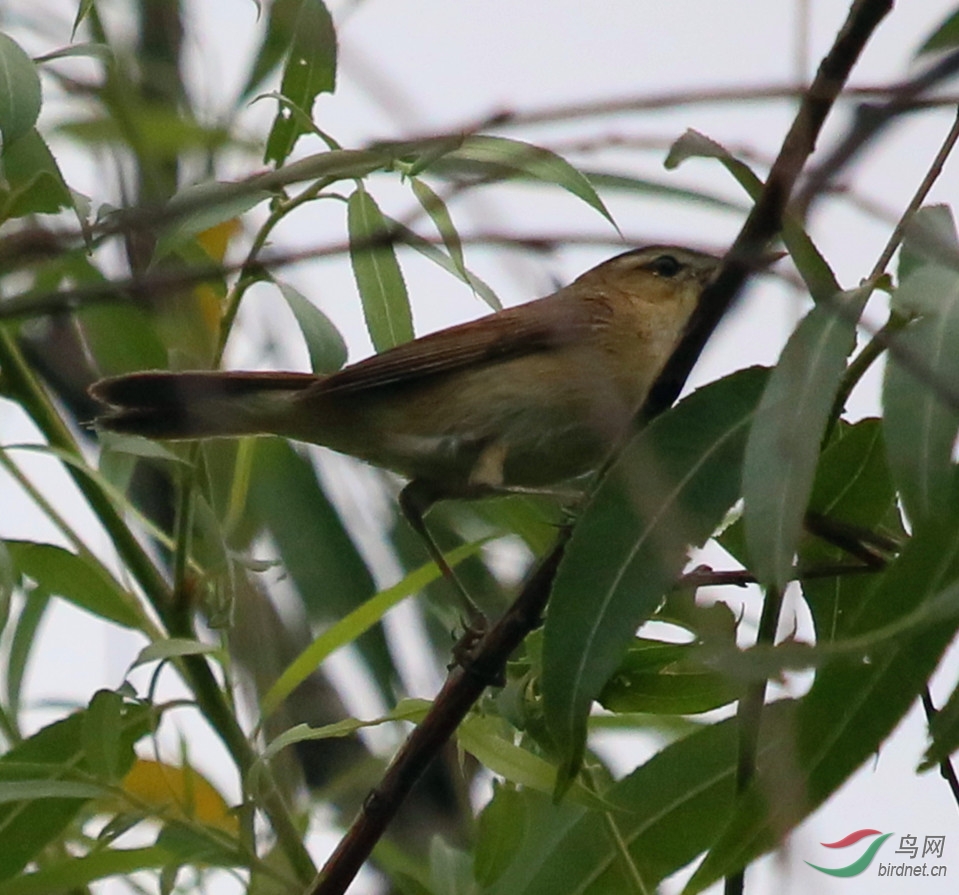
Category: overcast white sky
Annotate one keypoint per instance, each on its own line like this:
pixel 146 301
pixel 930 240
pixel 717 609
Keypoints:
pixel 424 66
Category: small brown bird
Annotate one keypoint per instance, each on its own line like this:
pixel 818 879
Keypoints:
pixel 523 399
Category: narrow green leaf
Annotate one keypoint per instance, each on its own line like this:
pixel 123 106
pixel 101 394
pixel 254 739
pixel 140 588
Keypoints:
pixel 20 94
pixel 693 144
pixel 23 641
pixel 439 214
pixel 84 7
pixel 38 804
pixel 360 620
pixel 852 481
pixel 314 545
pixel 304 733
pixel 310 70
pixel 944 37
pixel 853 486
pixel 8 581
pixel 538 845
pixel 667 492
pixel 38 790
pixel 502 158
pixel 409 238
pixel 812 266
pixel 436 208
pixel 138 446
pixel 336 164
pixel 483 738
pixel 415 156
pixel 327 570
pixel 299 117
pixel 386 305
pixel 499 832
pixel 79 579
pixel 666 678
pixel 413 710
pixel 664 813
pixel 173 648
pixel 276 42
pixel 655 188
pixel 102 729
pixel 784 440
pixel 75 873
pixel 189 844
pixel 930 237
pixel 852 706
pixel 919 428
pixel 165 131
pixel 324 342
pixel 122 338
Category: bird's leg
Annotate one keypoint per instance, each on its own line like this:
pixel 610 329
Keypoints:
pixel 415 500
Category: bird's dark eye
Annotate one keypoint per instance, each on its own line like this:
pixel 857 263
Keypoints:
pixel 664 266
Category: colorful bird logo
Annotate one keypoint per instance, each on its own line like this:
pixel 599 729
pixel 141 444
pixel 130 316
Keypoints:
pixel 862 862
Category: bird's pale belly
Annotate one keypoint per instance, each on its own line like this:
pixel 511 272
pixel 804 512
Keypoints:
pixel 492 430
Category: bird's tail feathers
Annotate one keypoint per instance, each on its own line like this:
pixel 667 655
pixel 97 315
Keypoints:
pixel 173 406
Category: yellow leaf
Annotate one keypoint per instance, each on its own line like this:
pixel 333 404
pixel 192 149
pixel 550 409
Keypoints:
pixel 215 240
pixel 211 306
pixel 181 793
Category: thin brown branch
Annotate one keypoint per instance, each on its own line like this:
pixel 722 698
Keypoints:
pixel 40 302
pixel 378 155
pixel 870 206
pixel 678 98
pixel 463 687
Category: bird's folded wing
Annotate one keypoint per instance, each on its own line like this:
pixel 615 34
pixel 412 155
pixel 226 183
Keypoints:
pixel 538 326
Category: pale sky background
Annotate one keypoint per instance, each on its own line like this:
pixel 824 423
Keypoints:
pixel 411 67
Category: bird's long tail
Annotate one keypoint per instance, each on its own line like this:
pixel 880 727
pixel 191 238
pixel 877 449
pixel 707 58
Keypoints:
pixel 167 405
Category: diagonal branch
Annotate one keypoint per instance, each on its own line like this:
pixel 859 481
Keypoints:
pixel 464 685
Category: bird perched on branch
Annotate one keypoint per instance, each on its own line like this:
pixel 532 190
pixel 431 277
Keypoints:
pixel 523 399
